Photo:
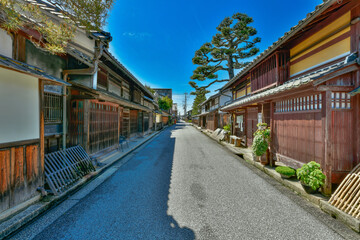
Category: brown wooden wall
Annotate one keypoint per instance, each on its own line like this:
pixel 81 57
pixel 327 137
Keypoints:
pixel 133 121
pixel 165 120
pixel 299 136
pixel 343 144
pixel 21 173
pixel 103 126
pixel 251 122
pixel 125 125
pixel 211 121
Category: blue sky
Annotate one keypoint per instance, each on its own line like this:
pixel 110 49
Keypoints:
pixel 156 40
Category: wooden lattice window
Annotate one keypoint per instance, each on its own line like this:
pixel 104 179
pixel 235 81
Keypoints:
pixel 104 125
pixel 137 96
pixel 340 100
pixel 102 80
pixel 125 123
pixel 307 103
pixel 53 108
pixel 133 121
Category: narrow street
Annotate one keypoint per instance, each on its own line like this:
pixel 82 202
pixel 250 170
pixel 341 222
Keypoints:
pixel 183 185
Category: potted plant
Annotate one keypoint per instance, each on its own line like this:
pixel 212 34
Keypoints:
pixel 311 176
pixel 261 142
pixel 227 129
pixel 285 172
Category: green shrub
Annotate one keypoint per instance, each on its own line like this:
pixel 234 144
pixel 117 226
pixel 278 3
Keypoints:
pixel 287 171
pixel 311 175
pixel 261 140
pixel 227 127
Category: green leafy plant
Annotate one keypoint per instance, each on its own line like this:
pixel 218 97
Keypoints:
pixel 261 139
pixel 165 103
pixel 287 171
pixel 311 175
pixel 227 127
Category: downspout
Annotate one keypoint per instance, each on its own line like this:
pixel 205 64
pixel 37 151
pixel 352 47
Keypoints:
pixel 87 71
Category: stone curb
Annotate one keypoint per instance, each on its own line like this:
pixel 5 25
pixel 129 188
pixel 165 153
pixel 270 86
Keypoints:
pixel 44 206
pixel 321 202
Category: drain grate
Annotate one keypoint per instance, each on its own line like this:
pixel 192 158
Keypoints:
pixel 64 168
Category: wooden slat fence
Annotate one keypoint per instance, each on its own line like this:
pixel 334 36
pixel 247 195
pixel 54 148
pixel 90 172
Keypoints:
pixel 64 168
pixel 347 195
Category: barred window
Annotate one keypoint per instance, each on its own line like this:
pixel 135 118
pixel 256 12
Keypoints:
pixel 52 108
pixel 311 102
pixel 340 100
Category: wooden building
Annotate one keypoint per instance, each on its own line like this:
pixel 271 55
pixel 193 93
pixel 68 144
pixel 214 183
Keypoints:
pixel 211 117
pixel 114 105
pixel 42 112
pixel 301 87
pixel 23 115
pixel 104 101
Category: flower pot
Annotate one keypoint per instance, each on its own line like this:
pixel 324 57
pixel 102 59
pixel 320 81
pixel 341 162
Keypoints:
pixel 308 189
pixel 265 159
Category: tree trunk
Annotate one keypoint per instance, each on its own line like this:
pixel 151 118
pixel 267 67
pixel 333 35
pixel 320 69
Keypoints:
pixel 231 67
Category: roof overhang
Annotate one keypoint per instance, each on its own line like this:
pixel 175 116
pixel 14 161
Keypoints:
pixel 310 81
pixel 9 63
pixel 287 36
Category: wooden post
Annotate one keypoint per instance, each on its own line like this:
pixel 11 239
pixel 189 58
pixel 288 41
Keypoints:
pixel 328 142
pixel 86 135
pixel 277 74
pixel 42 140
pixel 272 150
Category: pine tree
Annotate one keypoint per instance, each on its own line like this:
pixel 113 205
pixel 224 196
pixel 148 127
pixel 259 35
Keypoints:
pixel 200 97
pixel 225 52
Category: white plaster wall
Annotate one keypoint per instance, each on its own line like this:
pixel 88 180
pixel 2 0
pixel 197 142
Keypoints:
pixel 224 99
pixel 19 106
pixel 81 39
pixel 6 46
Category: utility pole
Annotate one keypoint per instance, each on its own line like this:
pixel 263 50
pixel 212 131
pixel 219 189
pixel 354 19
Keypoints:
pixel 185 104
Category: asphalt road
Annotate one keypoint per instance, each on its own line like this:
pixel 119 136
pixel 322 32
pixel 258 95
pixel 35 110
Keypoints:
pixel 183 185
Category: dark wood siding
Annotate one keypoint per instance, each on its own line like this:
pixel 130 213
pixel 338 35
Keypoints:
pixel 342 127
pixel 251 122
pixel 211 121
pixel 275 69
pixel 133 121
pixel 21 173
pixel 298 135
pixel 104 126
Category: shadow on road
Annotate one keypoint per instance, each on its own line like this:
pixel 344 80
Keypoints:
pixel 132 204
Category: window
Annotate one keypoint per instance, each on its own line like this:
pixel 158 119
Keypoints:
pixel 340 100
pixel 52 108
pixel 240 93
pixel 312 102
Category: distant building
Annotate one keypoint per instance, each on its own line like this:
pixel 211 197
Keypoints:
pixel 162 92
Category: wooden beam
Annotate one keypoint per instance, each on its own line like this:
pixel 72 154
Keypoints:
pixel 42 121
pixel 334 88
pixel 20 143
pixel 335 74
pixel 272 150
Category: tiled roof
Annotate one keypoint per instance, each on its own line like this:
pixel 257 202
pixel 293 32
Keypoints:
pixel 309 17
pixel 29 69
pixel 292 84
pixel 211 97
pixel 52 9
